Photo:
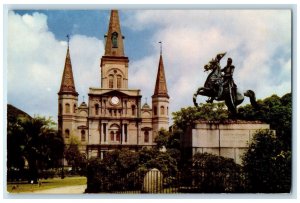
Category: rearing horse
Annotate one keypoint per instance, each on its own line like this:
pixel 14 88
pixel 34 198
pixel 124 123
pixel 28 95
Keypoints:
pixel 231 95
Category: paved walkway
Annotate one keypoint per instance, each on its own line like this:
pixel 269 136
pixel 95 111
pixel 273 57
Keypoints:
pixel 77 189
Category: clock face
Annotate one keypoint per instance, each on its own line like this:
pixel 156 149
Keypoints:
pixel 115 100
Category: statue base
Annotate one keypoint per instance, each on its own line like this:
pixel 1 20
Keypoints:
pixel 228 139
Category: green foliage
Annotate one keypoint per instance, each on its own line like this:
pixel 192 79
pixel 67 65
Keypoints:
pixel 163 161
pixel 267 163
pixel 74 140
pixel 124 169
pixel 162 138
pixel 214 174
pixel 33 140
pixel 277 112
pixel 267 167
pixel 76 159
pixel 121 161
pixel 209 112
pixel 105 175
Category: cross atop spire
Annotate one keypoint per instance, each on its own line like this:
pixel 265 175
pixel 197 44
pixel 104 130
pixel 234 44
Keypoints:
pixel 67 81
pixel 68 39
pixel 114 37
pixel 160 47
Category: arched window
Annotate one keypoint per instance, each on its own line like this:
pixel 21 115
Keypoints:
pixel 67 133
pixel 155 110
pixel 60 108
pixel 167 110
pixel 114 39
pixel 118 136
pixel 162 110
pixel 74 108
pixel 82 135
pixel 133 110
pixel 67 108
pixel 146 136
pixel 119 81
pixel 96 109
pixel 114 132
pixel 112 135
pixel 110 81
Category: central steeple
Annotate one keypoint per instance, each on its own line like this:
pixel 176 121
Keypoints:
pixel 114 38
pixel 114 64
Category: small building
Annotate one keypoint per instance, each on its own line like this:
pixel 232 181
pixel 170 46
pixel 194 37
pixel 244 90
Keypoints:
pixel 228 139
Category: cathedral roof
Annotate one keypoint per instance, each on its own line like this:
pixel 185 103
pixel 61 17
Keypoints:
pixel 161 84
pixel 67 82
pixel 83 105
pixel 114 37
pixel 146 106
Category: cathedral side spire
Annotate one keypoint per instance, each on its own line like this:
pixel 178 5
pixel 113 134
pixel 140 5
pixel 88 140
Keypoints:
pixel 161 84
pixel 67 82
pixel 160 100
pixel 114 38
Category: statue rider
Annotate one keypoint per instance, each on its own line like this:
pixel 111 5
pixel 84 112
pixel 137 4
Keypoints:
pixel 216 78
pixel 228 72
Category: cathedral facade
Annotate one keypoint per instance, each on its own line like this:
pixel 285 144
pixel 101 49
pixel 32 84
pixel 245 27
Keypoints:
pixel 113 117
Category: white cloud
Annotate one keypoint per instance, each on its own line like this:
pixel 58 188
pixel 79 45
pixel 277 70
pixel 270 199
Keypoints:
pixel 36 61
pixel 142 75
pixel 85 55
pixel 257 40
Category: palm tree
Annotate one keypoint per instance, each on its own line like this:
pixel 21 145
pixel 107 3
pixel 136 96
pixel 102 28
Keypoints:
pixel 38 143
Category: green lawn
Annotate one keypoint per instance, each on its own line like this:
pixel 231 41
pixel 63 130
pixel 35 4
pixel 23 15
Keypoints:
pixel 19 187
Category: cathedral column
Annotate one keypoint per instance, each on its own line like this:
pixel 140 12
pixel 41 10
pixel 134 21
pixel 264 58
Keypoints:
pixel 104 133
pixel 123 133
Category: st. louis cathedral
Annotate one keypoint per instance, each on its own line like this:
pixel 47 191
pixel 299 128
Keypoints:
pixel 114 116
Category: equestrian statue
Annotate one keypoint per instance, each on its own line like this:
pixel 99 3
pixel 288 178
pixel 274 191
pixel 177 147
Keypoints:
pixel 220 86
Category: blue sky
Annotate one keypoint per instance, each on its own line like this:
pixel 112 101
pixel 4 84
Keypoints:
pixel 91 23
pixel 259 41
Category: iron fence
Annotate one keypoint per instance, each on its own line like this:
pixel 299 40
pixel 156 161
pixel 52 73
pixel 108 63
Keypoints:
pixel 155 181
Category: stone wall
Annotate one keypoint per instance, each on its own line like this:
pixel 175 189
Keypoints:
pixel 229 139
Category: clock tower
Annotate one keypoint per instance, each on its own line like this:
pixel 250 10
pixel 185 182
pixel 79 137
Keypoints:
pixel 115 119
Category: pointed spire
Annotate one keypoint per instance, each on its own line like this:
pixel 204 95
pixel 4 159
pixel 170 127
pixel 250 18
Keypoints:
pixel 161 84
pixel 114 37
pixel 67 82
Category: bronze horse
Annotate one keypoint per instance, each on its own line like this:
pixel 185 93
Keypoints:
pixel 229 92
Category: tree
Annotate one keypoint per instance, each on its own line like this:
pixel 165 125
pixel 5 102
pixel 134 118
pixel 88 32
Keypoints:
pixel 124 169
pixel 277 112
pixel 112 173
pixel 266 165
pixel 15 140
pixel 35 141
pixel 210 112
pixel 162 139
pixel 74 158
pixel 214 174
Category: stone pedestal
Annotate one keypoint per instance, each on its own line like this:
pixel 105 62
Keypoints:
pixel 230 139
